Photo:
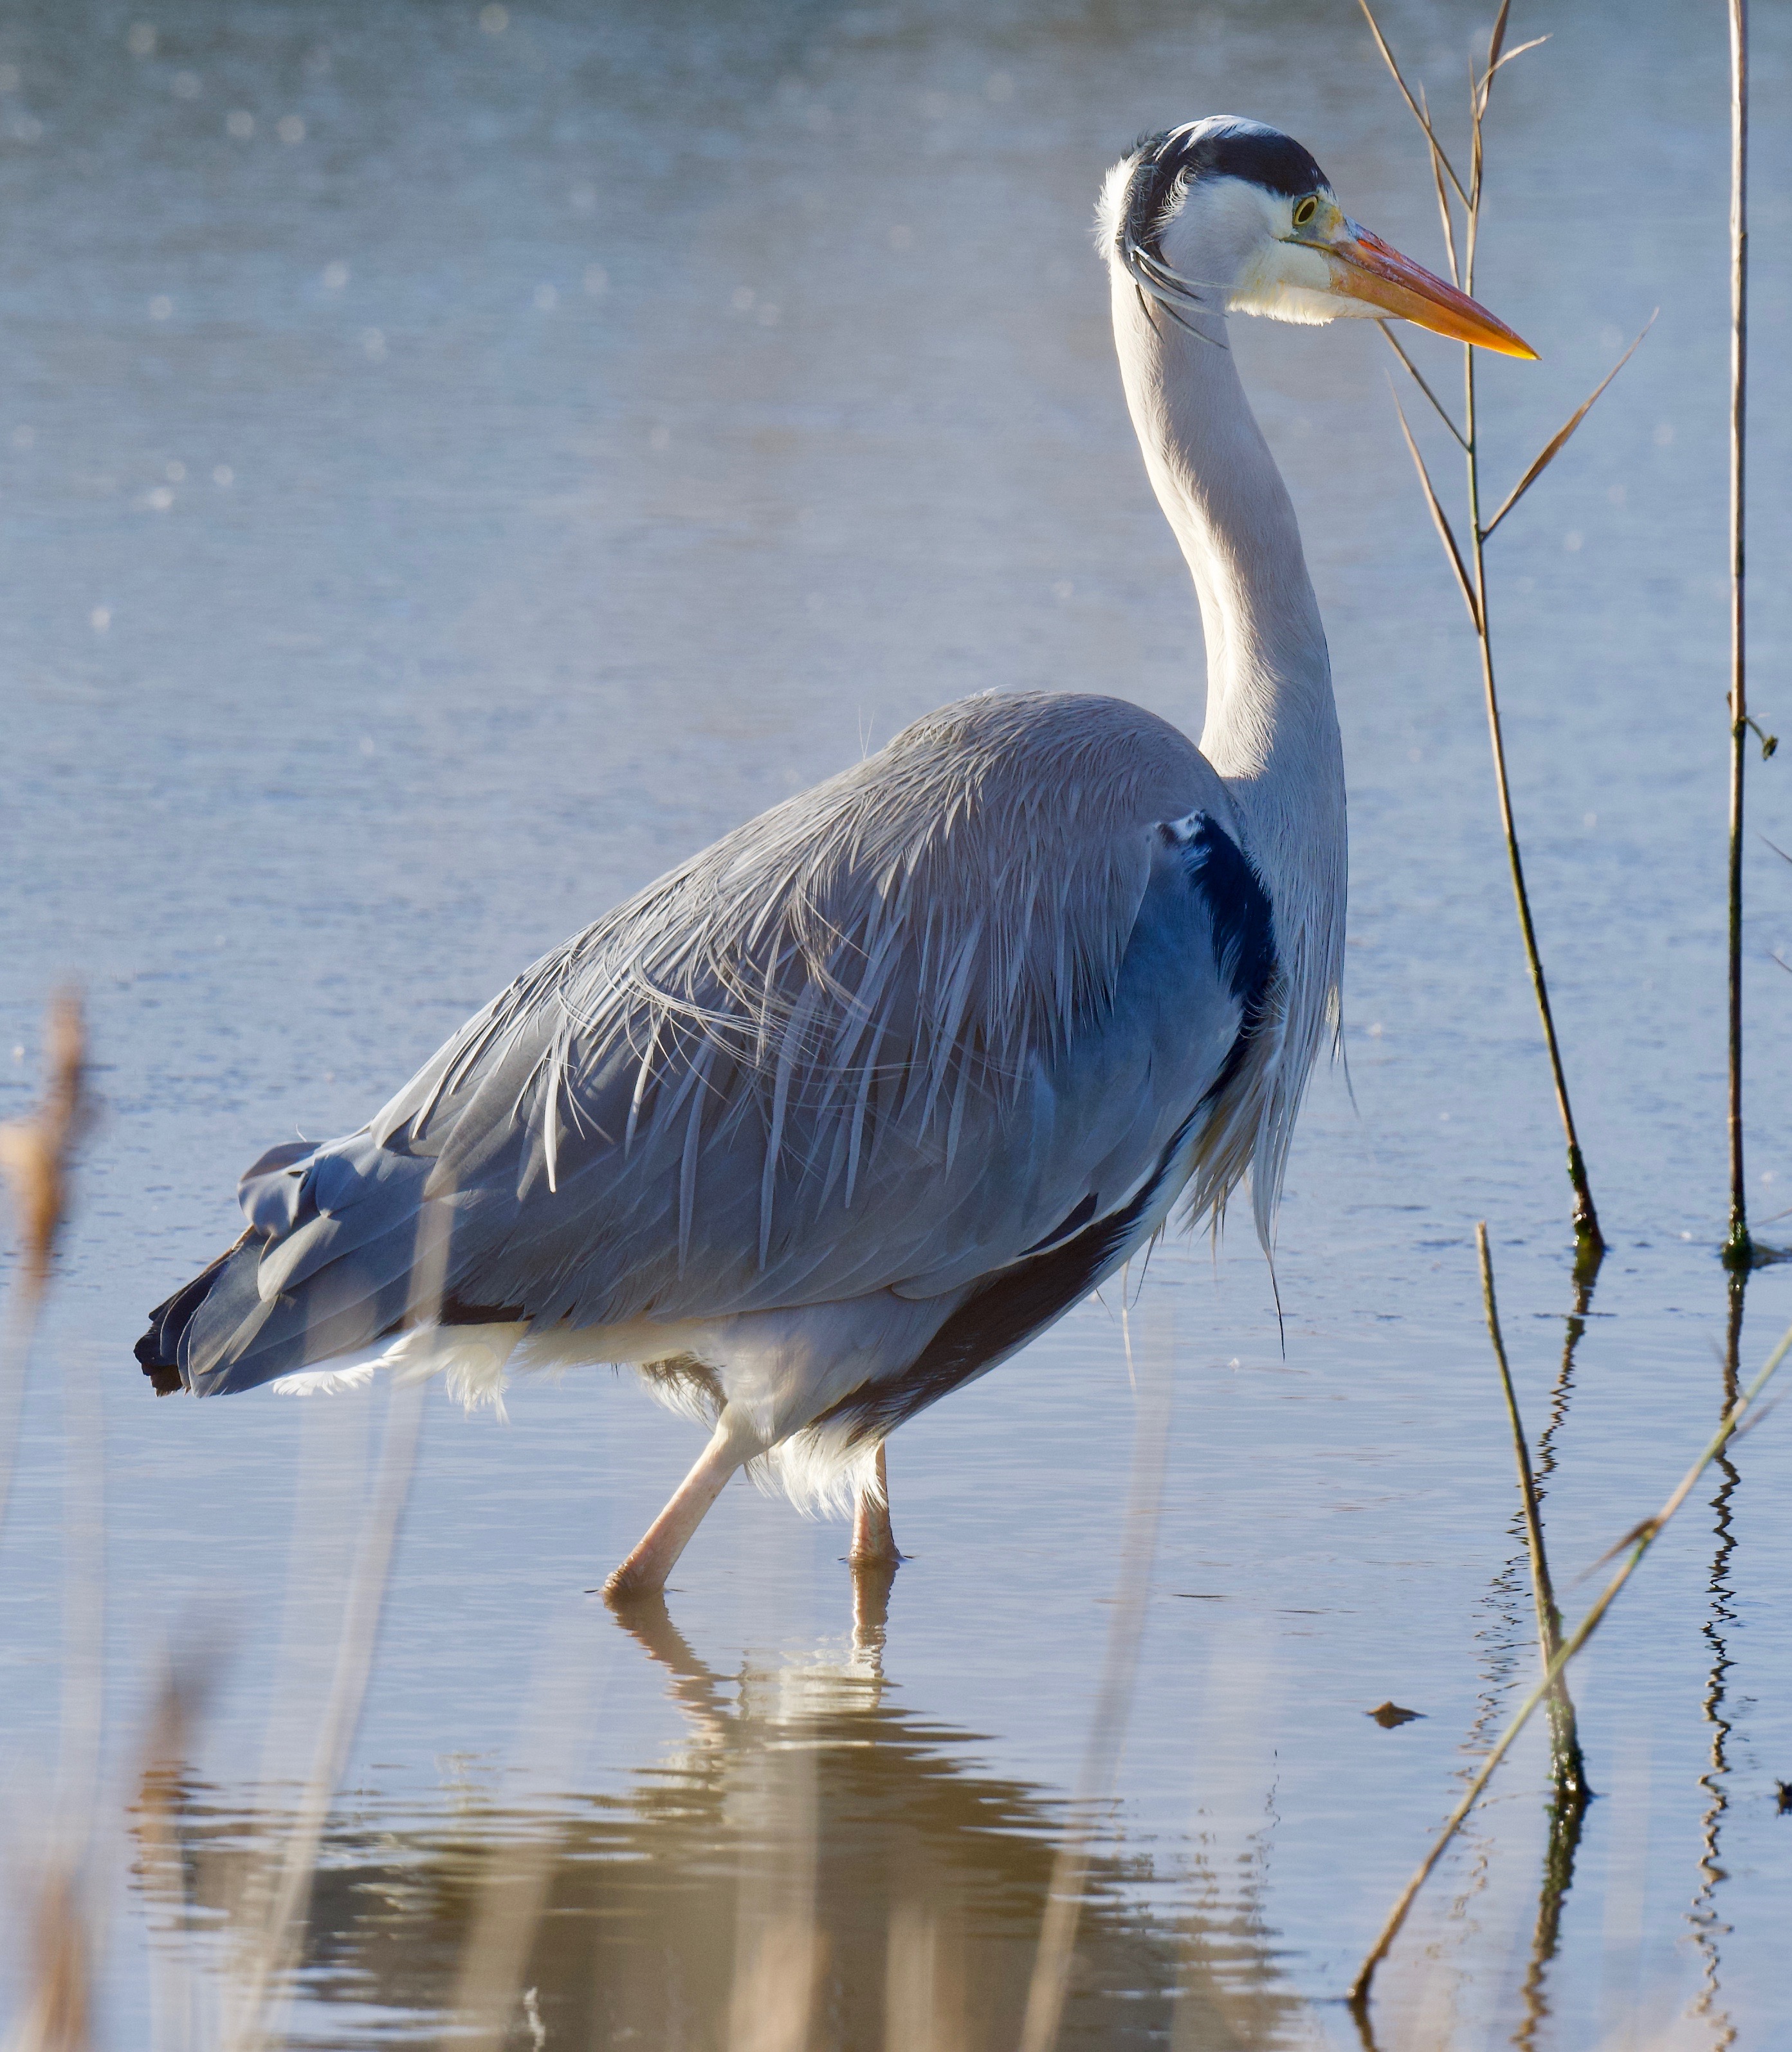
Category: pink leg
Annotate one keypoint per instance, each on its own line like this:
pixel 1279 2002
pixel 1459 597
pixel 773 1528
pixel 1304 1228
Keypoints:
pixel 874 1545
pixel 644 1572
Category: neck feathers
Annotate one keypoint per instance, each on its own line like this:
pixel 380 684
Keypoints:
pixel 1271 729
pixel 1269 678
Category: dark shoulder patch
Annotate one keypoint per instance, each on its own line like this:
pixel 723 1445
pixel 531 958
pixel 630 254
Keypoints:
pixel 1222 145
pixel 1003 1311
pixel 1244 935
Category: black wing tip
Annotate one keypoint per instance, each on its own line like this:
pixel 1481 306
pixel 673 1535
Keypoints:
pixel 157 1351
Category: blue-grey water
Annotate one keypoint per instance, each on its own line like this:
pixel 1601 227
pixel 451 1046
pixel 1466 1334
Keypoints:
pixel 454 464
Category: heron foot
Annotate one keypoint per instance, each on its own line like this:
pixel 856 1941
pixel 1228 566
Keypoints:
pixel 629 1587
pixel 643 1573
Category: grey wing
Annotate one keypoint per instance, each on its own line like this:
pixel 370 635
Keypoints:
pixel 780 1124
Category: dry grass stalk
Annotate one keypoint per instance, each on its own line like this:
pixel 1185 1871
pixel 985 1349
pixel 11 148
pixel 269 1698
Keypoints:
pixel 1571 1770
pixel 179 1703
pixel 259 1994
pixel 36 1154
pixel 65 1934
pixel 514 1892
pixel 775 1986
pixel 512 1895
pixel 1639 1539
pixel 1470 565
pixel 261 1985
pixel 923 1981
pixel 1051 1965
pixel 779 1950
pixel 57 2013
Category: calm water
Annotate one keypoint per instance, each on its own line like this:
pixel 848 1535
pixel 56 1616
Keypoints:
pixel 419 532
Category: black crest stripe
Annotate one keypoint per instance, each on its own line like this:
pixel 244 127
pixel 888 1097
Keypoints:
pixel 1222 147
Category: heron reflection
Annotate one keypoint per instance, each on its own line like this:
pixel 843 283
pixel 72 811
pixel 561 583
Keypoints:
pixel 811 1852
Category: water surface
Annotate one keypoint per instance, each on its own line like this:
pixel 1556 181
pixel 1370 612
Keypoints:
pixel 421 532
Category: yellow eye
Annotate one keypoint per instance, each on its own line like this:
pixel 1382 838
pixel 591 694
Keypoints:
pixel 1305 210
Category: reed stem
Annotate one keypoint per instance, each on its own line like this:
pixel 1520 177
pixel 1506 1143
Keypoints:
pixel 37 1158
pixel 1051 1981
pixel 1739 1248
pixel 262 1988
pixel 1570 1767
pixel 1589 1244
pixel 1639 1539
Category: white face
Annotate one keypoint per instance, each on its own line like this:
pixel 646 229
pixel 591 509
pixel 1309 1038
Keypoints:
pixel 1265 251
pixel 1234 246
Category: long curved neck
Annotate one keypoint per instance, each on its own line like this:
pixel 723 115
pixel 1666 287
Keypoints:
pixel 1270 713
pixel 1272 725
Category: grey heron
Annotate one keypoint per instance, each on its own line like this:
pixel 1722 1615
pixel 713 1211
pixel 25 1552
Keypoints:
pixel 846 1109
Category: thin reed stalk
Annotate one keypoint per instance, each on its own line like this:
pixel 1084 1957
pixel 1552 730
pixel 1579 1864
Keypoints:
pixel 1569 1768
pixel 260 1988
pixel 779 1952
pixel 259 1993
pixel 37 1154
pixel 489 1987
pixel 180 1701
pixel 1107 1731
pixel 1639 1539
pixel 1739 1248
pixel 259 1996
pixel 1471 567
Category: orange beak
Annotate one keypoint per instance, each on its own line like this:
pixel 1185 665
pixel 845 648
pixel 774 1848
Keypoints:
pixel 1369 271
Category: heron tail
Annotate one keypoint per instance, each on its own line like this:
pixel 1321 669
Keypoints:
pixel 158 1351
pixel 330 1265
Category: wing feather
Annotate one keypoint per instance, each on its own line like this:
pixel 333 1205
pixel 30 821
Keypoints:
pixel 889 1036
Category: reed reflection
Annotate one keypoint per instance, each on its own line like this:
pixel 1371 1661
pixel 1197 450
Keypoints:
pixel 1568 1800
pixel 814 1864
pixel 1709 1927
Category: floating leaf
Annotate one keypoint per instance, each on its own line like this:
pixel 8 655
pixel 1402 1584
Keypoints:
pixel 1389 1714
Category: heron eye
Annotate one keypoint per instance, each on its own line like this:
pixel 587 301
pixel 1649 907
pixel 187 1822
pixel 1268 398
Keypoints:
pixel 1305 212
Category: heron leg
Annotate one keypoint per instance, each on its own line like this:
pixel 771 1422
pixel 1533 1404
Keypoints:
pixel 874 1544
pixel 644 1572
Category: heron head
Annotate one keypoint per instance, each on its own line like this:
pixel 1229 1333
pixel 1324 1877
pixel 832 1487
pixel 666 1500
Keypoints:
pixel 1224 215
